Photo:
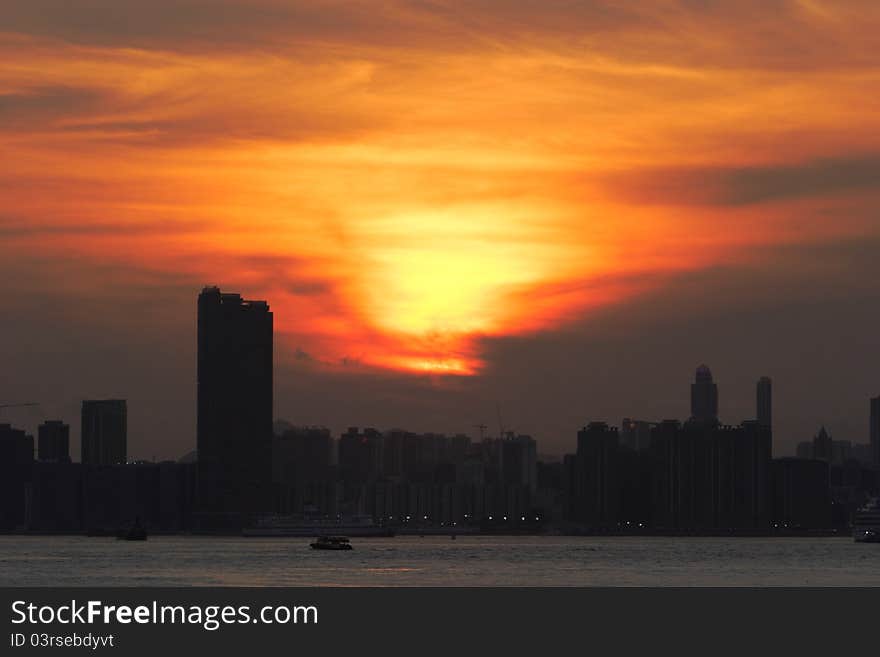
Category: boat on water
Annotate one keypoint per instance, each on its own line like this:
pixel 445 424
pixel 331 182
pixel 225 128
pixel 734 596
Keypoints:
pixel 331 543
pixel 281 526
pixel 866 522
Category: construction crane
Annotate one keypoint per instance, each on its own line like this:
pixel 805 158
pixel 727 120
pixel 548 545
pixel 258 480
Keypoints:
pixel 19 405
pixel 482 428
pixel 500 421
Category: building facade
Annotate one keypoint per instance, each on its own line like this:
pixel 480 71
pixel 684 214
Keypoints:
pixel 234 423
pixel 104 432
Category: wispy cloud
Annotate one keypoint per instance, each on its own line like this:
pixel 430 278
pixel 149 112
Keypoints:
pixel 406 179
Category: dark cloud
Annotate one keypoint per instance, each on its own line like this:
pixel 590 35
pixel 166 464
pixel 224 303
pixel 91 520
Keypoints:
pixel 779 34
pixel 20 228
pixel 45 104
pixel 736 186
pixel 806 316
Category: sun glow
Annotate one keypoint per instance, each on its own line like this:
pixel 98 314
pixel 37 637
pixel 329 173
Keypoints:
pixel 400 201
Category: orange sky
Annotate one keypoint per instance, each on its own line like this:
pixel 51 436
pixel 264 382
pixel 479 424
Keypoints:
pixel 401 180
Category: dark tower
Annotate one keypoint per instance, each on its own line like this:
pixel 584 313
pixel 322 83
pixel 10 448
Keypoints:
pixel 764 400
pixel 823 446
pixel 104 432
pixel 54 441
pixel 234 425
pixel 704 397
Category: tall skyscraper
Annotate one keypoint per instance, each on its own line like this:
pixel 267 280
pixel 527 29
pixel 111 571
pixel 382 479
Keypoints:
pixel 704 397
pixel 54 441
pixel 764 399
pixel 595 477
pixel 875 429
pixel 234 424
pixel 104 434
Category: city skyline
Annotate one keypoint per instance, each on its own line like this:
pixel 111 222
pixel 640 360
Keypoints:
pixel 553 210
pixel 252 474
pixel 235 334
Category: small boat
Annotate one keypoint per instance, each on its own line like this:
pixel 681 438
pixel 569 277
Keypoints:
pixel 866 522
pixel 331 543
pixel 867 536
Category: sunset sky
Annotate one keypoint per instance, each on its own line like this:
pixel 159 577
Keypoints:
pixel 552 209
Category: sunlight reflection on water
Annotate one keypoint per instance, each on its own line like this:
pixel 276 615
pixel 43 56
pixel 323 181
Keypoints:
pixel 415 561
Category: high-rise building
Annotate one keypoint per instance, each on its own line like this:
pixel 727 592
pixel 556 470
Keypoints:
pixel 823 446
pixel 801 494
pixel 595 484
pixel 635 434
pixel 875 429
pixel 54 441
pixel 104 432
pixel 361 455
pixel 519 458
pixel 234 422
pixel 16 465
pixel 704 397
pixel 301 454
pixel 764 399
pixel 804 449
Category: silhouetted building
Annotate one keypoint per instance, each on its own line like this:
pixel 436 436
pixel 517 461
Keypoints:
pixel 393 453
pixel 704 397
pixel 823 446
pixel 53 444
pixel 302 471
pixel 635 434
pixel 686 474
pixel 234 424
pixel 841 451
pixel 16 463
pixel 742 480
pixel 104 434
pixel 863 453
pixel 361 456
pixel 875 429
pixel 711 477
pixel 595 485
pixel 801 494
pixel 804 449
pixel 56 496
pixel 301 454
pixel 158 495
pixel 764 401
pixel 519 461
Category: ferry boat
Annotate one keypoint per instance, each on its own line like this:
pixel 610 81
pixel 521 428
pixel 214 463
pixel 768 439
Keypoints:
pixel 331 543
pixel 283 526
pixel 866 522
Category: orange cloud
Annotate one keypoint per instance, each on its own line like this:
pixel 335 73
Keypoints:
pixel 400 196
